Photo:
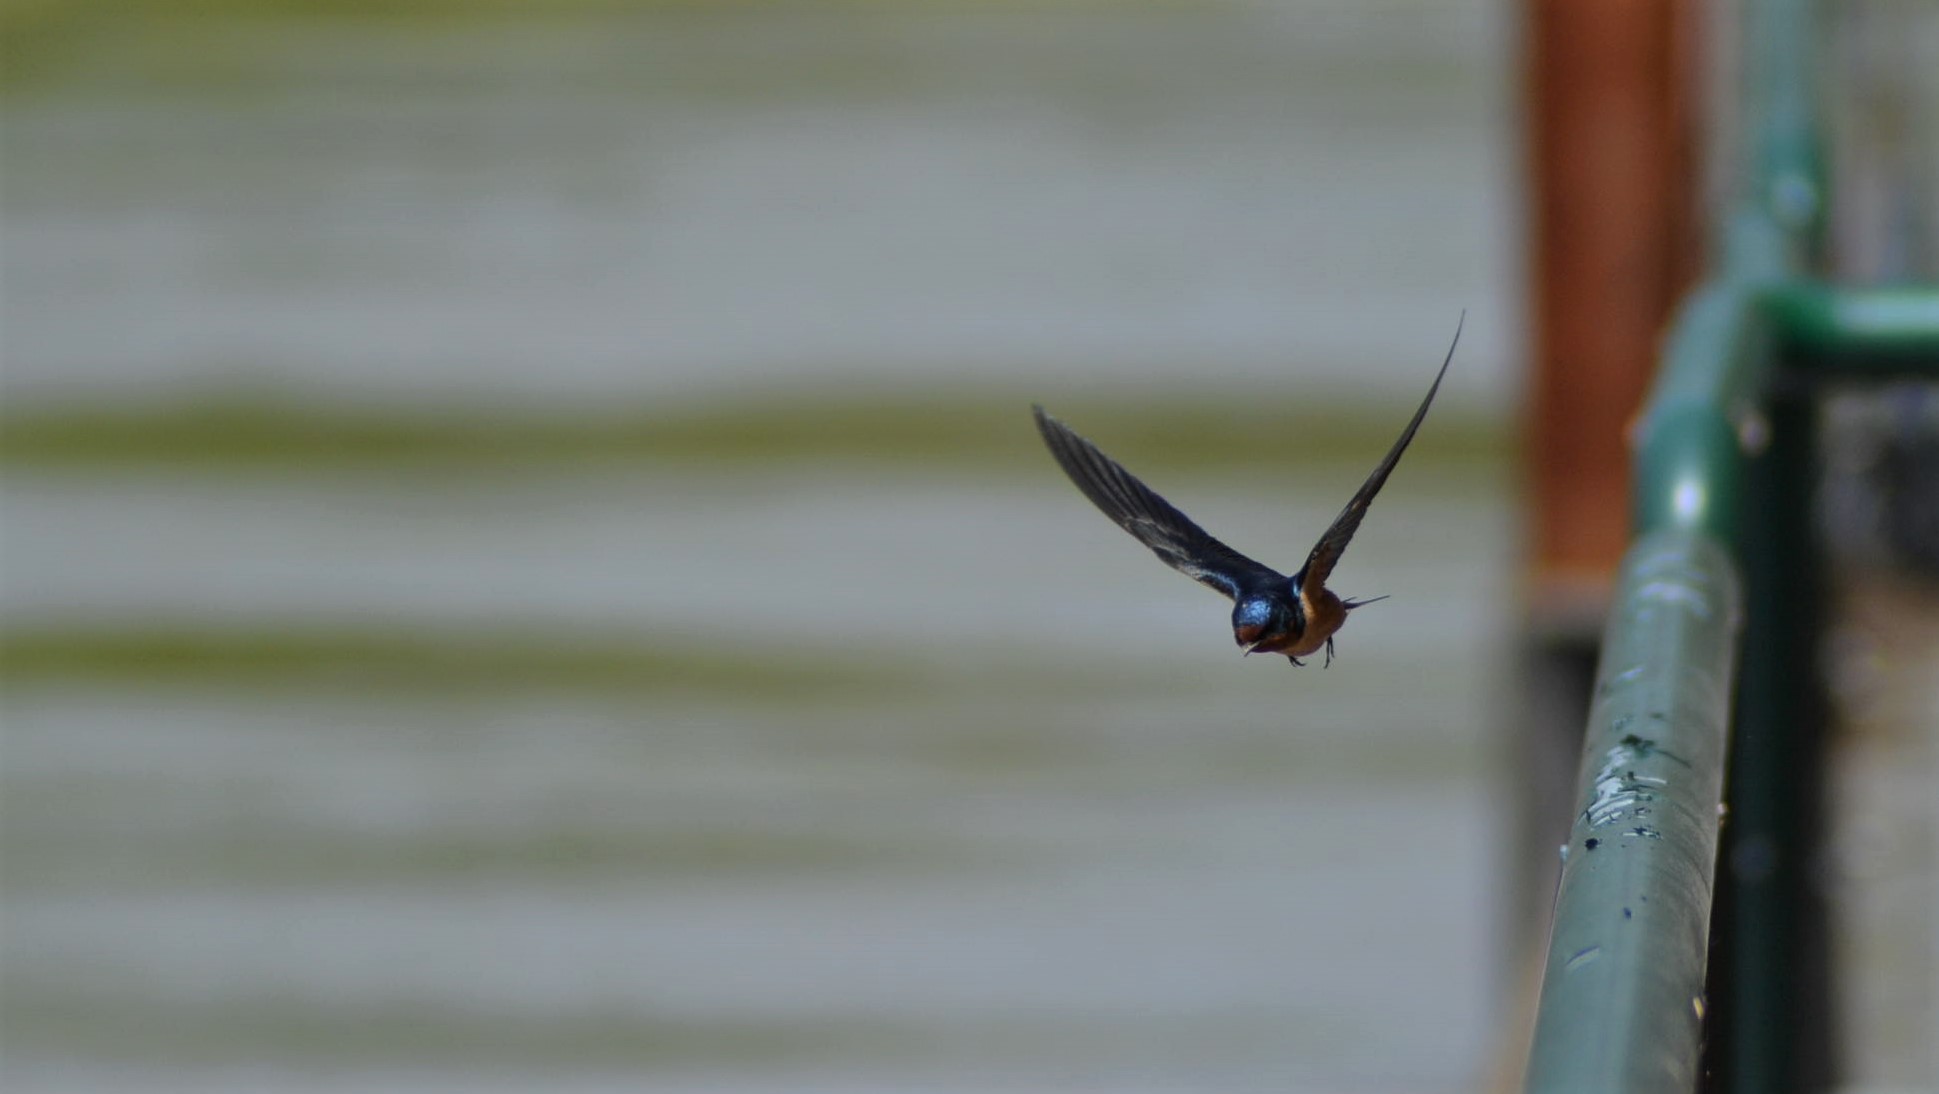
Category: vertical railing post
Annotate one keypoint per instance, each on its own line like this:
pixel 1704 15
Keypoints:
pixel 1771 977
pixel 1770 1028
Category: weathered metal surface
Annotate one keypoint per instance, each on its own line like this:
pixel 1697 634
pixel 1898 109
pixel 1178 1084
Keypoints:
pixel 1622 996
pixel 1726 459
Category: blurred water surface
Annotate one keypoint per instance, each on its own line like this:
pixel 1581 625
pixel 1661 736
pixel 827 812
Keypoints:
pixel 879 768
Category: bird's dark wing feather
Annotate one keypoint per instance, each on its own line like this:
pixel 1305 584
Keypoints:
pixel 1170 534
pixel 1327 552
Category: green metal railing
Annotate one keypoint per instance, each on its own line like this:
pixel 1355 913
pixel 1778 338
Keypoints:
pixel 1649 986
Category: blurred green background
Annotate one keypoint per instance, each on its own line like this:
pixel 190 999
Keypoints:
pixel 527 564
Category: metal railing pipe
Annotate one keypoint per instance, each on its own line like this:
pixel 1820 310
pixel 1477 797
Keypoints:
pixel 1690 441
pixel 1886 332
pixel 1622 995
pixel 1783 176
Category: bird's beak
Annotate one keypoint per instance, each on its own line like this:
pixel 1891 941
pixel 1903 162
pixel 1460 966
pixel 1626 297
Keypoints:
pixel 1248 635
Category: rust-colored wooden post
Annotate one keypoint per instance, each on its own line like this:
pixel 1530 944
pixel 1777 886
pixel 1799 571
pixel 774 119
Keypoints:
pixel 1614 241
pixel 1611 94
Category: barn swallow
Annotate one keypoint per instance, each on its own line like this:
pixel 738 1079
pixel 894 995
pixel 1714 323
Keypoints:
pixel 1271 613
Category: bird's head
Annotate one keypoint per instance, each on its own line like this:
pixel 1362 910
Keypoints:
pixel 1263 621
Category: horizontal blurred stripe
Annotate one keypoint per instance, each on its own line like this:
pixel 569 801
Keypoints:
pixel 970 430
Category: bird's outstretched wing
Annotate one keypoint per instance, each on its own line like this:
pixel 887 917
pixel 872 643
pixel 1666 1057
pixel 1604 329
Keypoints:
pixel 1170 534
pixel 1327 552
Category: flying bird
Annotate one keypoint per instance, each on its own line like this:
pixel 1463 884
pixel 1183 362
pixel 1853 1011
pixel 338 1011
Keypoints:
pixel 1271 613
